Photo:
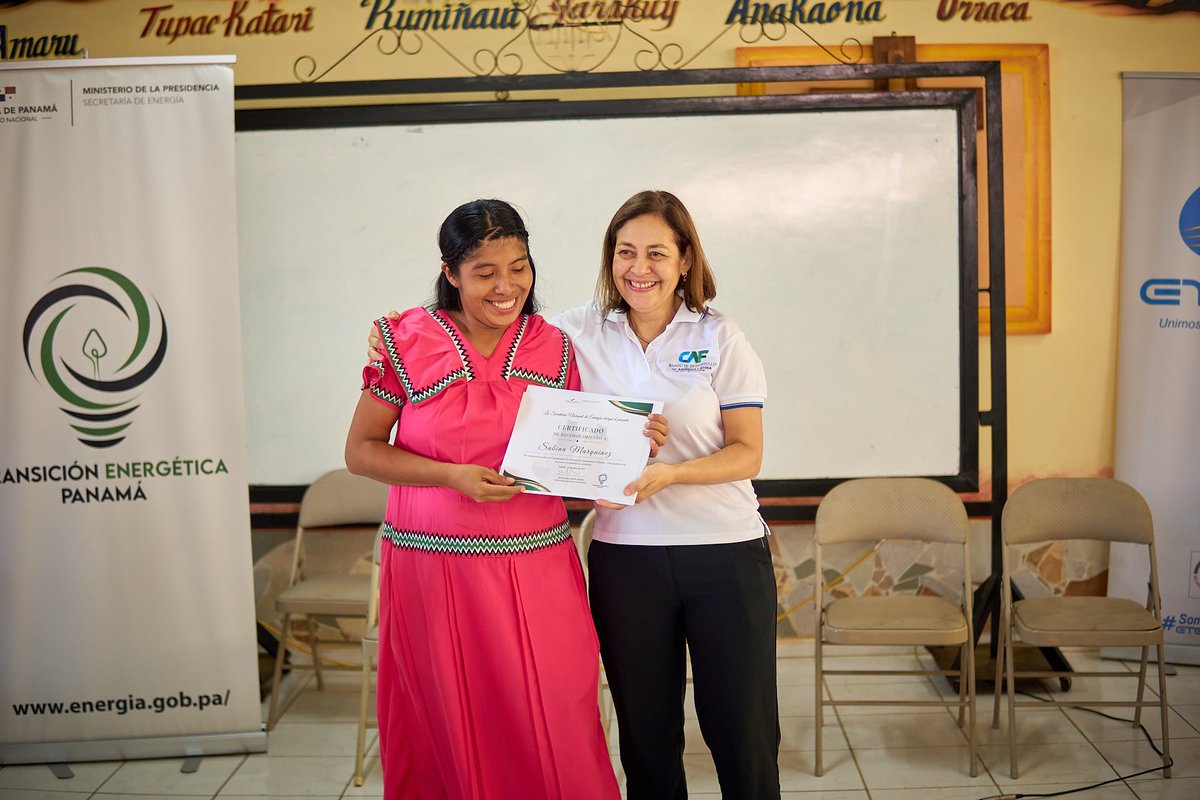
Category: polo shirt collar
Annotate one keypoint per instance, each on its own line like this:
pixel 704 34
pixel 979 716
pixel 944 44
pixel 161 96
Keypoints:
pixel 682 314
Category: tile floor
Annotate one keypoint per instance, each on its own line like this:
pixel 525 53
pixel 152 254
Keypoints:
pixel 871 753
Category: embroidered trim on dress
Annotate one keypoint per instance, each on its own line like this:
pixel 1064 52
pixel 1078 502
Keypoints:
pixel 477 545
pixel 458 345
pixel 559 382
pixel 512 348
pixel 416 395
pixel 386 396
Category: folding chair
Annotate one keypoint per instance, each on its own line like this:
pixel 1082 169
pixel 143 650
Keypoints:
pixel 877 509
pixel 1097 509
pixel 339 514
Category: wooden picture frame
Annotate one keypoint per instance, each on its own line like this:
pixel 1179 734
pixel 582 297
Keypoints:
pixel 1025 91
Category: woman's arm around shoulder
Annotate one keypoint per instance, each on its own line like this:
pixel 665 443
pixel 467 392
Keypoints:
pixel 574 320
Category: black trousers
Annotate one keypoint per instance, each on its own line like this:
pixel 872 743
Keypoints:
pixel 719 600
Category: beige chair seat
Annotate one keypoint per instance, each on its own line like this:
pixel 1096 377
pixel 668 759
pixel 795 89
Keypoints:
pixel 1057 621
pixel 332 595
pixel 894 620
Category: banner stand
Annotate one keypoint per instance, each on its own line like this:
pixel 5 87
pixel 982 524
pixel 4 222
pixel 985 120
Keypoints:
pixel 129 749
pixel 1158 418
pixel 125 564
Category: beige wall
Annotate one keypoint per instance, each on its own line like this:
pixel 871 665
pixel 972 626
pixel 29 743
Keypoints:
pixel 1061 384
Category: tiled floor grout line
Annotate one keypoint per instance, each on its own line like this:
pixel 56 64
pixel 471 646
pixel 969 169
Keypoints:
pixel 825 688
pixel 229 777
pixel 116 769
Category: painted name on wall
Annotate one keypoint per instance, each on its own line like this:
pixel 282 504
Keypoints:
pixel 977 11
pixel 798 12
pixel 449 16
pixel 240 21
pixel 16 47
pixel 573 13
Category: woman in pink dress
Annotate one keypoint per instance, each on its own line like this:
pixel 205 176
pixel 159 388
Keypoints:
pixel 488 661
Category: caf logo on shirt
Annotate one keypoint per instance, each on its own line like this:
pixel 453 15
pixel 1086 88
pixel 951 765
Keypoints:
pixel 700 360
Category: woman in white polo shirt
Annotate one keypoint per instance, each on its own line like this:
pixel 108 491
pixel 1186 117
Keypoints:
pixel 688 566
pixel 687 570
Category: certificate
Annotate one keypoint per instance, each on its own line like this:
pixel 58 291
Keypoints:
pixel 575 444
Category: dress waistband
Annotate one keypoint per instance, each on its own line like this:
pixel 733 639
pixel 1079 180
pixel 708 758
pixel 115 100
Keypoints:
pixel 478 545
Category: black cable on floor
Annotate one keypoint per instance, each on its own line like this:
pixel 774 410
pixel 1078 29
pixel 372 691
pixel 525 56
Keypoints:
pixel 1170 761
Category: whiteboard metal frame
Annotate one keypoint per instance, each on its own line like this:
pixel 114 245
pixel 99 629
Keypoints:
pixel 781 495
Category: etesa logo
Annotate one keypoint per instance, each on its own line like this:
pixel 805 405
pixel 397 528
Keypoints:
pixel 1170 291
pixel 692 356
pixel 1167 291
pixel 74 335
pixel 1189 222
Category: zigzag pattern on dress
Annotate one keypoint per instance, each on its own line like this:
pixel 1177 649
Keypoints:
pixel 416 395
pixel 559 382
pixel 386 396
pixel 512 348
pixel 458 345
pixel 477 545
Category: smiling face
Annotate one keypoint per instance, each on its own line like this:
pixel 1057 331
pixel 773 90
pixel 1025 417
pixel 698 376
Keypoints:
pixel 647 264
pixel 493 283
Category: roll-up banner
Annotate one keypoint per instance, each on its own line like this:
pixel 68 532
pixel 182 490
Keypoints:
pixel 1158 370
pixel 126 594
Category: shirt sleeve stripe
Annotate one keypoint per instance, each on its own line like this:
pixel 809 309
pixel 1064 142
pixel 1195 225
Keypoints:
pixel 741 405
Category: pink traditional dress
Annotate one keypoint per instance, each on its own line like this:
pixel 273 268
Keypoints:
pixel 488 661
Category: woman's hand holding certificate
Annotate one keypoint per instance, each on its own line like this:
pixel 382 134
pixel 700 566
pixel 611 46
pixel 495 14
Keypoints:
pixel 576 444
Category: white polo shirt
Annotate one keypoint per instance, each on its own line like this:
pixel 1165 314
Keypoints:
pixel 700 365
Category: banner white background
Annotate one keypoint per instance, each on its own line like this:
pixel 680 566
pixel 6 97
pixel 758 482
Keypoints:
pixel 125 567
pixel 1158 380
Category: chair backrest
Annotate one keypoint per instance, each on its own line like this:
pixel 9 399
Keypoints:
pixel 343 498
pixel 1102 509
pixel 339 514
pixel 891 508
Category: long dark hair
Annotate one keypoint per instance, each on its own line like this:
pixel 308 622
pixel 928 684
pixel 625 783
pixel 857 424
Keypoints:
pixel 462 233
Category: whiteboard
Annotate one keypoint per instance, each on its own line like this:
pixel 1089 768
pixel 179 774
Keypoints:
pixel 835 236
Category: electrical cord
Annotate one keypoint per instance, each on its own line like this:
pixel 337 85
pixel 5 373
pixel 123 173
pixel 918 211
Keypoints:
pixel 1016 796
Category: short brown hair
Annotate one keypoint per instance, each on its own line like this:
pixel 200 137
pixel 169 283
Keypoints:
pixel 699 286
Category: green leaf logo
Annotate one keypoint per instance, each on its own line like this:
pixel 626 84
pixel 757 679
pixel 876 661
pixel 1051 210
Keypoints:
pixel 64 347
